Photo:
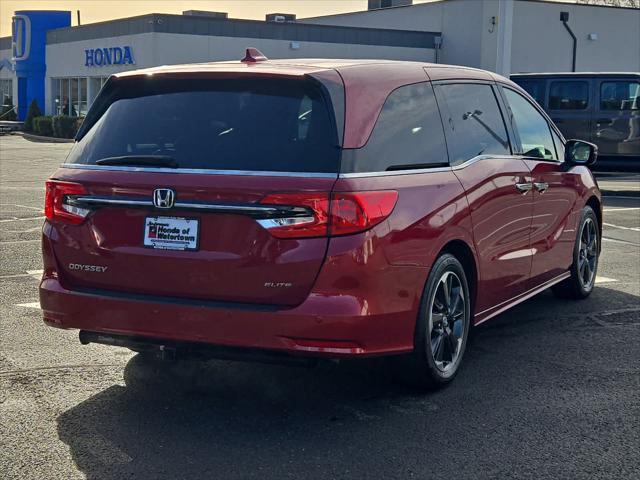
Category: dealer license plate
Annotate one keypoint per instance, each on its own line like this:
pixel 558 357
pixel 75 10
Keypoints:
pixel 171 233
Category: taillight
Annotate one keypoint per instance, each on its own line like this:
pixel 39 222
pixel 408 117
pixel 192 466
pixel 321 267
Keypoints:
pixel 313 224
pixel 56 202
pixel 355 212
pixel 343 213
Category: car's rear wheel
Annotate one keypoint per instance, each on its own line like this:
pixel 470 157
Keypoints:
pixel 442 327
pixel 586 253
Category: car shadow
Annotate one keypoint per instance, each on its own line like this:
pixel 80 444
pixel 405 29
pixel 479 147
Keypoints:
pixel 242 420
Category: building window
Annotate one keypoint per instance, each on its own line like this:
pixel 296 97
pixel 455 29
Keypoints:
pixel 74 96
pixel 6 89
pixel 569 96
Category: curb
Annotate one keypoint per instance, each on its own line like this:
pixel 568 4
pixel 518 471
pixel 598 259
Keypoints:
pixel 40 139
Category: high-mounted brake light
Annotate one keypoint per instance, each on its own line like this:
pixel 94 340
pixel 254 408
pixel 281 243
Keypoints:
pixel 343 213
pixel 56 202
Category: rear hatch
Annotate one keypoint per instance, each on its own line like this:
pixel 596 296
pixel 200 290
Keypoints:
pixel 199 188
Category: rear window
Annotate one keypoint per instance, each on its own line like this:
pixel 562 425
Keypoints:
pixel 255 124
pixel 568 96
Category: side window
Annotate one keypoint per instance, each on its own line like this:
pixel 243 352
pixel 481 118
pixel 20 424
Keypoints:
pixel 621 95
pixel 535 88
pixel 532 127
pixel 568 95
pixel 408 134
pixel 474 122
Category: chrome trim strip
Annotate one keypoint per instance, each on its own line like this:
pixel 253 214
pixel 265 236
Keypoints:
pixel 261 209
pixel 423 170
pixel 199 171
pixel 113 201
pixel 212 207
pixel 394 172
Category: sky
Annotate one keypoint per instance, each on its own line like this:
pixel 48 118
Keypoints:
pixel 99 10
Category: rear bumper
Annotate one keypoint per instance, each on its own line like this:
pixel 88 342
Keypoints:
pixel 322 326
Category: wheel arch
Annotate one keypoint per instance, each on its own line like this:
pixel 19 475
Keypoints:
pixel 465 255
pixel 596 205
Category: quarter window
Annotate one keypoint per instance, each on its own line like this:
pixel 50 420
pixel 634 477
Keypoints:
pixel 620 96
pixel 569 96
pixel 532 127
pixel 474 122
pixel 408 134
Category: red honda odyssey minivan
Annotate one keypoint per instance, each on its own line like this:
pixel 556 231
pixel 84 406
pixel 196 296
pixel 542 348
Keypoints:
pixel 314 208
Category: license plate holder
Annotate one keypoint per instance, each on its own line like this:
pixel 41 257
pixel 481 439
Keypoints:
pixel 172 233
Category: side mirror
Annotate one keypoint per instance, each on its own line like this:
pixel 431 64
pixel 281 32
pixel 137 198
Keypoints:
pixel 579 152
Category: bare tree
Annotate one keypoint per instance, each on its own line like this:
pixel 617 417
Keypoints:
pixel 612 3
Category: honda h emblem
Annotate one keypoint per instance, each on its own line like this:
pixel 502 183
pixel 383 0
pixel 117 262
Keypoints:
pixel 164 198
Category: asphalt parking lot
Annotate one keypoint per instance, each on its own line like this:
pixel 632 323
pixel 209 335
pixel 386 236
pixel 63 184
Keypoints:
pixel 548 390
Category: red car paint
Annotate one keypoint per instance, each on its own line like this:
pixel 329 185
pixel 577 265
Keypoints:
pixel 348 295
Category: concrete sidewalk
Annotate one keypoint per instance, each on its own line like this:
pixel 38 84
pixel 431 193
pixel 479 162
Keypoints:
pixel 619 184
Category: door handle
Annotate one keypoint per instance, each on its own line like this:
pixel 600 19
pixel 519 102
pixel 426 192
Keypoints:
pixel 541 186
pixel 524 187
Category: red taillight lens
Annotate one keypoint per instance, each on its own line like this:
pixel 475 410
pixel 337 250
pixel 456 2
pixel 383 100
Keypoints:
pixel 354 212
pixel 56 206
pixel 346 213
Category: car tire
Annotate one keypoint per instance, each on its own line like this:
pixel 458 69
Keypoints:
pixel 442 329
pixel 586 253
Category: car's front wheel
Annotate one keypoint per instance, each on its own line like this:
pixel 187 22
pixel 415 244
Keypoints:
pixel 586 253
pixel 442 327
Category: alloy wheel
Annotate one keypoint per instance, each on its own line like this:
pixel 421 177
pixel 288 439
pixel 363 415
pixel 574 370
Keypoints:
pixel 588 254
pixel 447 322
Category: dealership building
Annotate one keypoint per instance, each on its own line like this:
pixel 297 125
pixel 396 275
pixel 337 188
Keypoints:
pixel 64 67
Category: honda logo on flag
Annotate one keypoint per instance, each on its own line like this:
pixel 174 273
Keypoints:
pixel 163 198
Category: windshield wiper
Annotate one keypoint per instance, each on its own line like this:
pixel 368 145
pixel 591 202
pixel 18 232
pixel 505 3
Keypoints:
pixel 140 161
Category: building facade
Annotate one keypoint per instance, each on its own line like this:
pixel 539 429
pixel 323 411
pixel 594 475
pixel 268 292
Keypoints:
pixel 64 67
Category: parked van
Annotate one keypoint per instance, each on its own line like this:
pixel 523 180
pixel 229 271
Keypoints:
pixel 603 108
pixel 314 208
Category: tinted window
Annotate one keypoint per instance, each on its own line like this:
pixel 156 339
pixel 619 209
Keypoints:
pixel 249 124
pixel 407 134
pixel 620 95
pixel 532 127
pixel 535 88
pixel 475 124
pixel 568 95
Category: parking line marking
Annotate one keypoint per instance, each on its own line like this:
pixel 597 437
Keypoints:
pixel 37 274
pixel 20 219
pixel 15 242
pixel 21 206
pixel 29 305
pixel 600 279
pixel 633 229
pixel 620 241
pixel 622 209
